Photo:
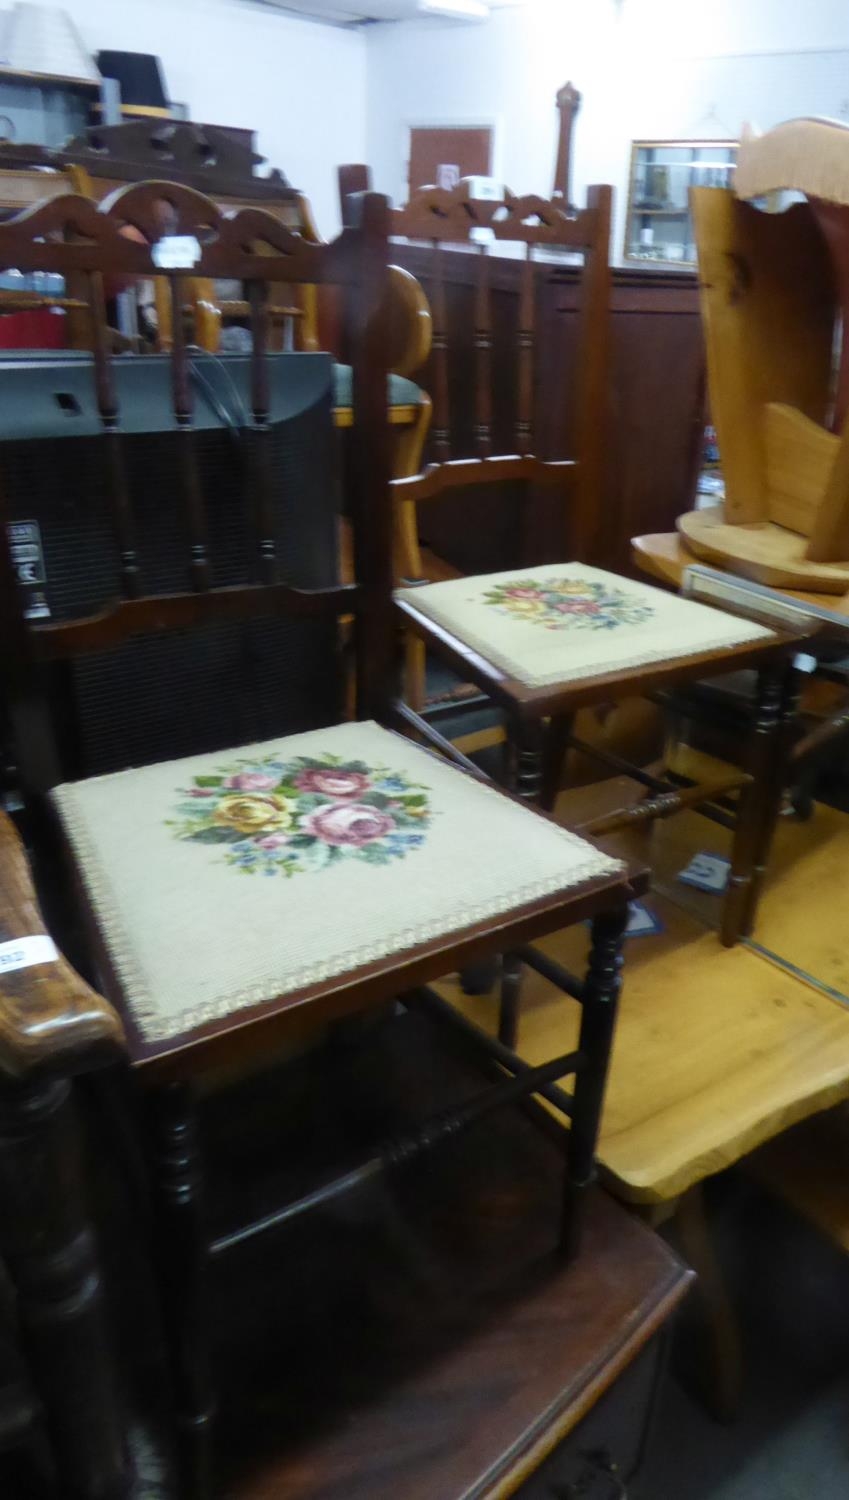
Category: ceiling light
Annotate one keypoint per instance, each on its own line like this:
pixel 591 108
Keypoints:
pixel 456 10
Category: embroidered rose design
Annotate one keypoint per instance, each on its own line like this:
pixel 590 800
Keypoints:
pixel 250 814
pixel 301 815
pixel 352 823
pixel 332 783
pixel 567 603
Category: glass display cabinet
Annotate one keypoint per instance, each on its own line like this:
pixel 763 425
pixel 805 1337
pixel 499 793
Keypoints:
pixel 658 229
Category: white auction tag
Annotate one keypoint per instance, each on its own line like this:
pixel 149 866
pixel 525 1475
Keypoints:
pixel 21 953
pixel 176 252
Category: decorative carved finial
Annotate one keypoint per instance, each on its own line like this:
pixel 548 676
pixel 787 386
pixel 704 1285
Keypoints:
pixel 568 97
pixel 568 102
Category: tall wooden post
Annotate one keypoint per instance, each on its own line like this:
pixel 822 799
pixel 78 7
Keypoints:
pixel 568 103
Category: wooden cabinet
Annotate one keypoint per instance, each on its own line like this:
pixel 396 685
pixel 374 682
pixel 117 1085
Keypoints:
pixel 598 1459
pixel 658 224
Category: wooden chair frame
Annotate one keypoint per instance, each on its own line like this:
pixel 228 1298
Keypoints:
pixel 54 1025
pixel 443 218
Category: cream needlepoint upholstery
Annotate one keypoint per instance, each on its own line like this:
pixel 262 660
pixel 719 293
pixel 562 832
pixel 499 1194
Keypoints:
pixel 221 881
pixel 564 621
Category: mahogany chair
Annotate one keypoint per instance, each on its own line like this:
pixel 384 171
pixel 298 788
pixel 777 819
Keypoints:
pixel 515 634
pixel 472 413
pixel 219 902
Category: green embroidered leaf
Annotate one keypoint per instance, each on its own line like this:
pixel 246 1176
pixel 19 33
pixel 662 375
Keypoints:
pixel 209 781
pixel 415 801
pixel 301 841
pixel 316 857
pixel 309 801
pixel 216 835
pixel 376 854
pixel 374 799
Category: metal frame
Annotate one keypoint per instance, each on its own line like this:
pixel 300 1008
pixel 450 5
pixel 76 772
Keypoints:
pixel 639 260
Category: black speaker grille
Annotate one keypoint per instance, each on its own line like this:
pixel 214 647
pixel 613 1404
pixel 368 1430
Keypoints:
pixel 191 691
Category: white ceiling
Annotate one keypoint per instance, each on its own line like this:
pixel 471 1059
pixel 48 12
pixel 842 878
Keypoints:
pixel 349 12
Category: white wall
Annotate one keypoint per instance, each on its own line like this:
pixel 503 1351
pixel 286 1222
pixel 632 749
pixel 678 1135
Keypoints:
pixel 646 68
pixel 300 85
pixel 318 96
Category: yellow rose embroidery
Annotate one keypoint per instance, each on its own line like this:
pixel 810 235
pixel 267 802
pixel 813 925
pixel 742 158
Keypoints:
pixel 250 814
pixel 526 606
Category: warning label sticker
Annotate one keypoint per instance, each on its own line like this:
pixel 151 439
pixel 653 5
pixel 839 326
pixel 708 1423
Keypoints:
pixel 28 562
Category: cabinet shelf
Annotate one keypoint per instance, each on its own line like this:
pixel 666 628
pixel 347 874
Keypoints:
pixel 663 235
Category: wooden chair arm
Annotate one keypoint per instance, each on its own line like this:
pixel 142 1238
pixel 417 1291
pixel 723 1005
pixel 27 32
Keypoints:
pixel 410 323
pixel 50 1019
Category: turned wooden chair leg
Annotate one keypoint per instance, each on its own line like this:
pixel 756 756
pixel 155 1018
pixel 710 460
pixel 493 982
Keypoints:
pixel 182 1262
pixel 527 752
pixel 555 749
pixel 725 1371
pixel 511 992
pixel 598 1022
pixel 758 807
pixel 51 1254
pixel 527 758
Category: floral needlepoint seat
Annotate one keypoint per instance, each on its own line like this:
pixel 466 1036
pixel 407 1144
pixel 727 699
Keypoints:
pixel 222 881
pixel 565 621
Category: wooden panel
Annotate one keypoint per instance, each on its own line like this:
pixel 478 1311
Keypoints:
pixel 768 304
pixel 468 149
pixel 653 423
pixel 799 458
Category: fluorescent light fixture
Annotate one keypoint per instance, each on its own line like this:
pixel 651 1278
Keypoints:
pixel 456 10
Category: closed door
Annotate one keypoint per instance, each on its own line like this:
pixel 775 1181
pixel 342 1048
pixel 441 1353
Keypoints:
pixel 441 155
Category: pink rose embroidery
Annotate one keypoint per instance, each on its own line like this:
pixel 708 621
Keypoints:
pixel 352 824
pixel 568 603
pixel 251 781
pixel 332 783
pixel 301 816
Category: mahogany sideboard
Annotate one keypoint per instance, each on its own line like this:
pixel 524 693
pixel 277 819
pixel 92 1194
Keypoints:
pixel 654 414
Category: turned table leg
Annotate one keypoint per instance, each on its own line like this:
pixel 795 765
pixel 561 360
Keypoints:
pixel 759 802
pixel 50 1250
pixel 778 777
pixel 776 706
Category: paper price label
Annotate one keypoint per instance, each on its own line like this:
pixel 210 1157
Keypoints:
pixel 23 952
pixel 176 252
